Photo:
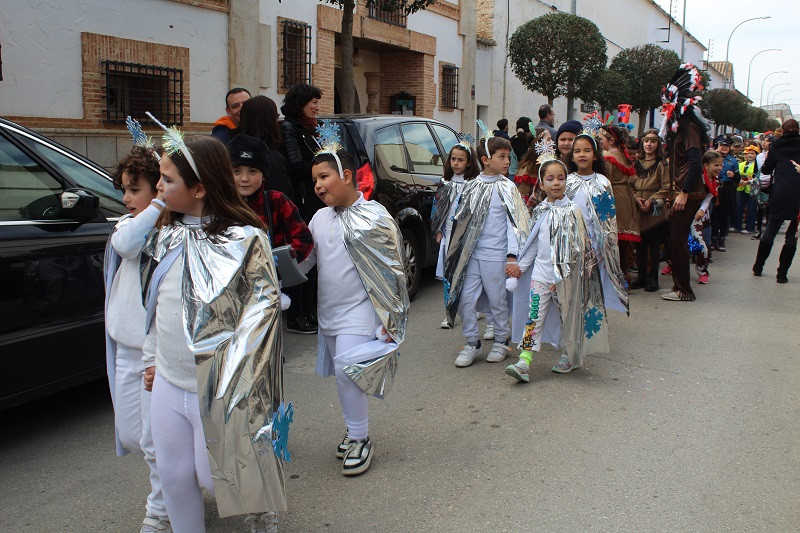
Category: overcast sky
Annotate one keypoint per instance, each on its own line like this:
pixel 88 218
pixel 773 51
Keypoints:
pixel 714 19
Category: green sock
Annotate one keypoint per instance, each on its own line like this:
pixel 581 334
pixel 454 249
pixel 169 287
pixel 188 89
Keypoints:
pixel 526 356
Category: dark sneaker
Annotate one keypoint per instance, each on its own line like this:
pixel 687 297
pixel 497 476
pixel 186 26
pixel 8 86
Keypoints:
pixel 357 458
pixel 652 284
pixel 342 448
pixel 721 246
pixel 300 325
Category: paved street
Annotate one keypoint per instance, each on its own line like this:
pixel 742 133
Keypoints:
pixel 691 423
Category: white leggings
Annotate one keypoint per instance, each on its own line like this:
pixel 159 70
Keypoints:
pixel 132 419
pixel 182 455
pixel 354 401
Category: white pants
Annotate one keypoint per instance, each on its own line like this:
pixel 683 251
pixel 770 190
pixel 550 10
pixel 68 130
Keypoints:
pixel 354 401
pixel 182 455
pixel 541 297
pixel 132 419
pixel 488 277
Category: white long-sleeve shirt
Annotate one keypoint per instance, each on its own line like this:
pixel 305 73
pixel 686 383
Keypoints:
pixel 125 314
pixel 497 238
pixel 448 223
pixel 343 306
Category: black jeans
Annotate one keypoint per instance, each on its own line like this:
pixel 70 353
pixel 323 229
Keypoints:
pixel 774 226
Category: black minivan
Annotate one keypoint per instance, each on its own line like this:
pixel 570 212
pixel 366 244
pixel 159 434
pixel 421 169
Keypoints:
pixel 57 209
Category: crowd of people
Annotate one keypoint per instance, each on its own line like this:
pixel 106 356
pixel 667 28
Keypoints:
pixel 542 232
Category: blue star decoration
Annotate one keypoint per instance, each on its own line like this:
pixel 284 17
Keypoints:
pixel 280 427
pixel 329 137
pixel 604 206
pixel 592 321
pixel 695 246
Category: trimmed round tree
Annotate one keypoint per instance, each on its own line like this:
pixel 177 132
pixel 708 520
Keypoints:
pixel 610 90
pixel 648 68
pixel 558 54
pixel 725 107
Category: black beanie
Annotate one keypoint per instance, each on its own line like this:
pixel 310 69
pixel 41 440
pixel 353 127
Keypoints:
pixel 247 151
pixel 571 126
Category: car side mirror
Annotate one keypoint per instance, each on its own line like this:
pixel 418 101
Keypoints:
pixel 79 204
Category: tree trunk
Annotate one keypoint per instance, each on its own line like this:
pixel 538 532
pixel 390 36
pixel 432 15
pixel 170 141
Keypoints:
pixel 550 100
pixel 570 105
pixel 346 92
pixel 642 121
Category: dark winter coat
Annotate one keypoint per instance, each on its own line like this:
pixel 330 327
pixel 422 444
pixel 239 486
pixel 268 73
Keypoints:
pixel 784 198
pixel 299 147
pixel 280 177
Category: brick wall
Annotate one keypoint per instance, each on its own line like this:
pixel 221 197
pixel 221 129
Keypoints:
pixel 446 9
pixel 416 79
pixel 216 5
pixel 323 70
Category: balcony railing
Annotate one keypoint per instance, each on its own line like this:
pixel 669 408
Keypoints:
pixel 389 17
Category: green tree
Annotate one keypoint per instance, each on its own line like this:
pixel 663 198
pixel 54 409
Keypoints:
pixel 647 68
pixel 406 7
pixel 725 107
pixel 753 119
pixel 610 89
pixel 558 54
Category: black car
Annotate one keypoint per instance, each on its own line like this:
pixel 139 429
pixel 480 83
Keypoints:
pixel 400 162
pixel 56 211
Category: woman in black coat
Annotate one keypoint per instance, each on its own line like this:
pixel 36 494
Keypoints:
pixel 300 108
pixel 784 200
pixel 259 119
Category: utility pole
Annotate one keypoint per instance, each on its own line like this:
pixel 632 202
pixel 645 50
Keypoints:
pixel 570 96
pixel 683 34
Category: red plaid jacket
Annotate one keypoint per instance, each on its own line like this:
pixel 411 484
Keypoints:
pixel 286 226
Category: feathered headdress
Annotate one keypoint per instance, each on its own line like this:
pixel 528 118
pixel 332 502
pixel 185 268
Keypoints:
pixel 487 134
pixel 172 142
pixel 546 150
pixel 330 142
pixel 140 138
pixel 677 98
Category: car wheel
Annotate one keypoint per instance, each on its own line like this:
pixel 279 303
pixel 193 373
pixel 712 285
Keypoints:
pixel 413 261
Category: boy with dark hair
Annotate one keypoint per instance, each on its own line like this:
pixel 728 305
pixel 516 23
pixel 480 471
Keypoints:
pixel 502 129
pixel 490 223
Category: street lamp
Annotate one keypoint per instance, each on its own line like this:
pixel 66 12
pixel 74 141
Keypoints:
pixel 775 96
pixel 747 93
pixel 761 96
pixel 728 47
pixel 776 85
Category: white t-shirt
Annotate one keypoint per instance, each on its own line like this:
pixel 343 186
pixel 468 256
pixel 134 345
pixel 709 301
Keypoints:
pixel 343 306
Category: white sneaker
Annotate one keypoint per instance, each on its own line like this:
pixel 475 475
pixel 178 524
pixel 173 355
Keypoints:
pixel 488 335
pixel 480 315
pixel 154 524
pixel 444 324
pixel 498 354
pixel 262 523
pixel 467 355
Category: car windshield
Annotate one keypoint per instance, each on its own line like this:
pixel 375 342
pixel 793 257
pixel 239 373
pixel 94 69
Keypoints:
pixel 84 176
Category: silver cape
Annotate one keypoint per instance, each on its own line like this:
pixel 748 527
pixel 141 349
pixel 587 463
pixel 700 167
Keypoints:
pixel 602 218
pixel 232 325
pixel 374 242
pixel 573 261
pixel 470 216
pixel 446 196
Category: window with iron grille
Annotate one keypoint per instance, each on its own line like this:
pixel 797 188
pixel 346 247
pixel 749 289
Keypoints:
pixel 449 83
pixel 296 53
pixel 395 18
pixel 131 89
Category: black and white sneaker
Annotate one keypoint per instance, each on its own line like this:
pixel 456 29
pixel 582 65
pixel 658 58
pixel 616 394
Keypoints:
pixel 342 448
pixel 300 325
pixel 357 458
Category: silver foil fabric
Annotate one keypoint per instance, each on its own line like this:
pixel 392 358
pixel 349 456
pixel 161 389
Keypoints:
pixel 446 196
pixel 375 244
pixel 470 216
pixel 573 261
pixel 232 324
pixel 600 200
